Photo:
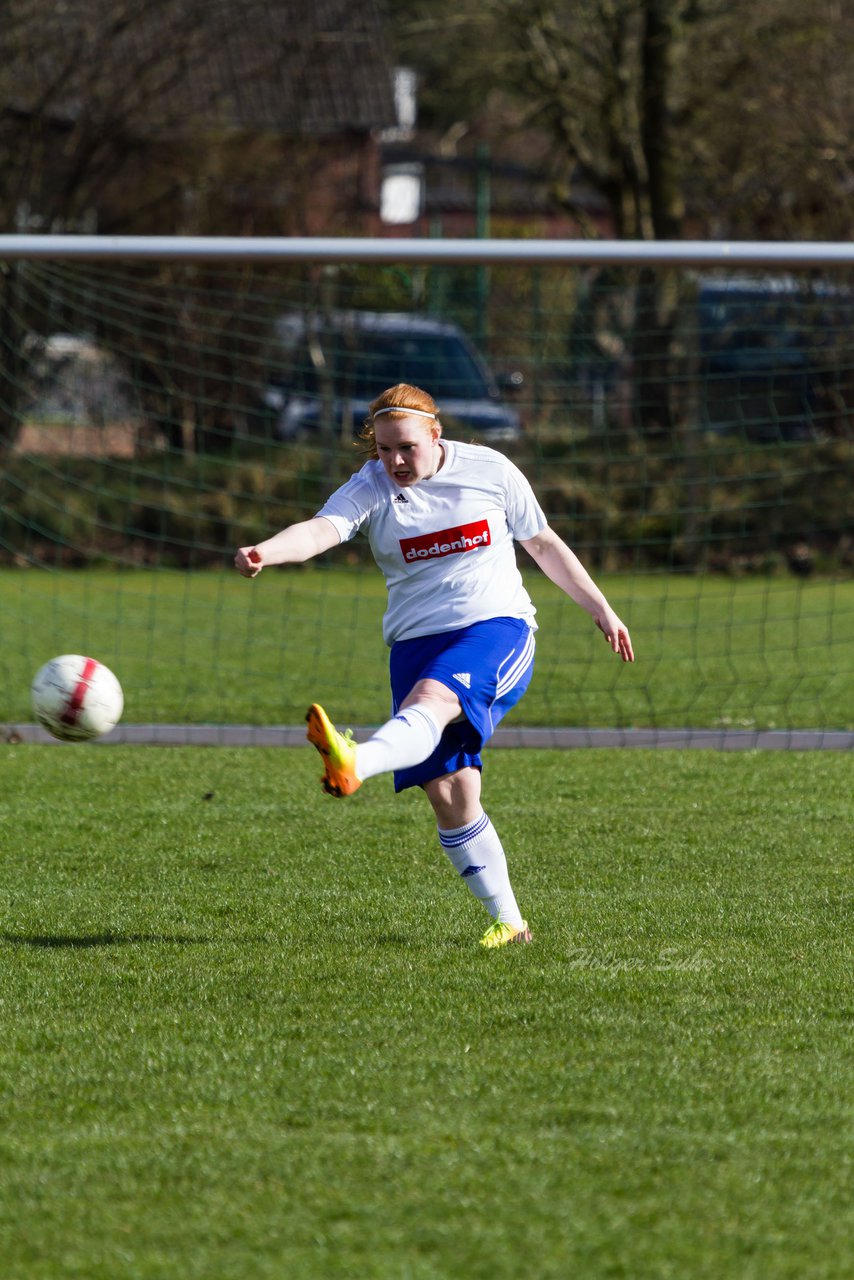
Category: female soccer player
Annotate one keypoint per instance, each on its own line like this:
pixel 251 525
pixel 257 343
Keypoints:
pixel 442 518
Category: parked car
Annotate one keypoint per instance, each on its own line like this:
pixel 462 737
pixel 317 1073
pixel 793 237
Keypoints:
pixel 770 351
pixel 71 379
pixel 324 370
pixel 763 358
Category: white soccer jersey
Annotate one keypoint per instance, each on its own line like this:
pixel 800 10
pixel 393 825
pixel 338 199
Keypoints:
pixel 444 545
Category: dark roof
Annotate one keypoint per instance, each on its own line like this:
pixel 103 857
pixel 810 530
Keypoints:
pixel 296 66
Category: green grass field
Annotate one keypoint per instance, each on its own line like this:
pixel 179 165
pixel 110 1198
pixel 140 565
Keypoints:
pixel 212 647
pixel 248 1032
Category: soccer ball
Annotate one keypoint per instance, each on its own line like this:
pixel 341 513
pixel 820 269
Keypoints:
pixel 76 698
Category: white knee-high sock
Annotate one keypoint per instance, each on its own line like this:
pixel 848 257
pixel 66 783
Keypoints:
pixel 477 853
pixel 407 739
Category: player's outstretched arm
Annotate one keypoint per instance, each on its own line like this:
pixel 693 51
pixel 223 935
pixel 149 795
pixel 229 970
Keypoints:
pixel 293 545
pixel 564 568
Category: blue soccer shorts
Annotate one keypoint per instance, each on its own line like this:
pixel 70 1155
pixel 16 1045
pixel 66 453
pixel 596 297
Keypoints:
pixel 488 665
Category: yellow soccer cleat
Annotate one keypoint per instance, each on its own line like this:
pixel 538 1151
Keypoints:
pixel 500 933
pixel 338 751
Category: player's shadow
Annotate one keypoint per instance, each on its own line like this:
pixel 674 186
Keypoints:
pixel 83 940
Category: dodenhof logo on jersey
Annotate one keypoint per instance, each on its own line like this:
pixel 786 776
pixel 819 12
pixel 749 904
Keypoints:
pixel 447 542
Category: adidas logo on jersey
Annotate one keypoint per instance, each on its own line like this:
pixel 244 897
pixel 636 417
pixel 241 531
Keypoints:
pixel 463 677
pixel 401 497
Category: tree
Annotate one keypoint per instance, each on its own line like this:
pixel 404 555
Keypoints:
pixel 74 94
pixel 705 117
pixel 709 115
pixel 178 116
pixel 767 120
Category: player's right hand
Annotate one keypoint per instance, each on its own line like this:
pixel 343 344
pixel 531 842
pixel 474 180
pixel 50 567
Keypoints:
pixel 248 562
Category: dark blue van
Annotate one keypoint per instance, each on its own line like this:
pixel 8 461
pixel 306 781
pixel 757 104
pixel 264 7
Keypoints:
pixel 770 351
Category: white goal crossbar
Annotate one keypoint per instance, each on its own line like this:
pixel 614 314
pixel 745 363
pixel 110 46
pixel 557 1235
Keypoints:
pixel 683 253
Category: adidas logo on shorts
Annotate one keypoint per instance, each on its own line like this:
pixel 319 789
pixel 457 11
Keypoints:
pixel 463 677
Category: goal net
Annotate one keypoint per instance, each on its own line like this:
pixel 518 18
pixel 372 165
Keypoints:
pixel 688 431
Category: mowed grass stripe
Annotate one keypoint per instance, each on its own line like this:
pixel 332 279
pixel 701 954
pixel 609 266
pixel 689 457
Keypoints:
pixel 248 1029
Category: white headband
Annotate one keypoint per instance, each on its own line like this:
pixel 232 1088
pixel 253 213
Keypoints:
pixel 398 408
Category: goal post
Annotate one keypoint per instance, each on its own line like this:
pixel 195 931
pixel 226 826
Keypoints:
pixel 684 411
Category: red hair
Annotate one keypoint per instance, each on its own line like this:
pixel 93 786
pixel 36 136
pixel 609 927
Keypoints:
pixel 397 401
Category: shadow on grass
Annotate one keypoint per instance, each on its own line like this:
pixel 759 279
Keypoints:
pixel 101 939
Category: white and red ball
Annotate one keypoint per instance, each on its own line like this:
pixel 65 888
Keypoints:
pixel 76 698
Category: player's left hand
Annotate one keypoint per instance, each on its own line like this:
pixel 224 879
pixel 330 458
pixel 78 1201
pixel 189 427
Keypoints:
pixel 616 633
